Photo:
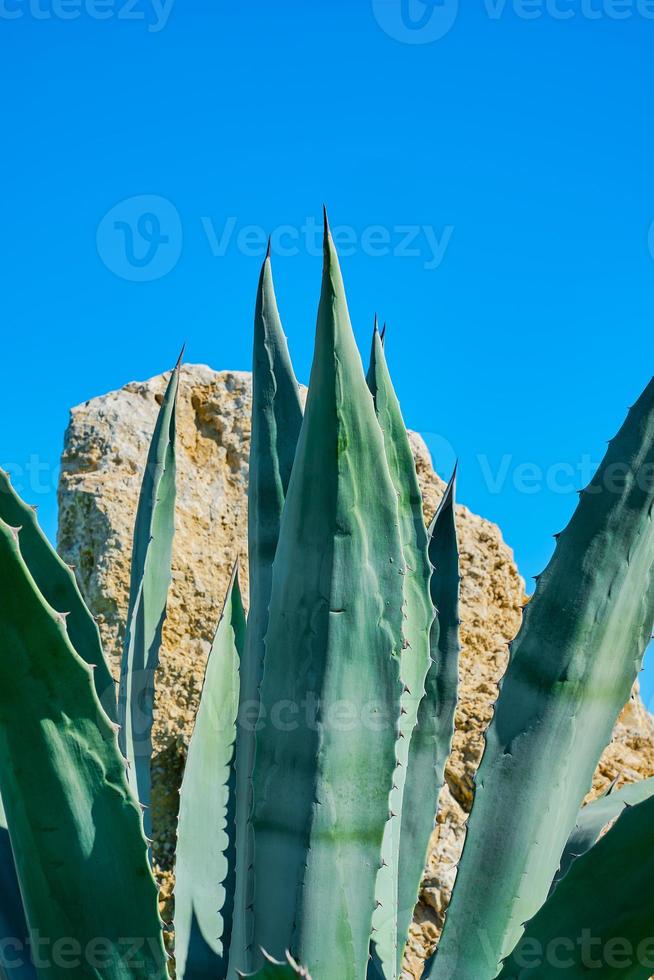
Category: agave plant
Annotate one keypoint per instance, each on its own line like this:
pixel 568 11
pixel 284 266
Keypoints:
pixel 326 718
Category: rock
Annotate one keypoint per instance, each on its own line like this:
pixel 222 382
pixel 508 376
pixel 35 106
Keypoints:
pixel 104 455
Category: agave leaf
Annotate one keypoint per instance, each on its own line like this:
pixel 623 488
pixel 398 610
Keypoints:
pixel 58 586
pixel 276 422
pixel 273 970
pixel 570 673
pixel 150 579
pixel 432 738
pixel 76 831
pixel 418 623
pixel 57 583
pixel 331 689
pixel 15 960
pixel 205 859
pixel 594 817
pixel 598 921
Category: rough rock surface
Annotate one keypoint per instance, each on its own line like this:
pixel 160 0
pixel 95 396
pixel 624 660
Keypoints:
pixel 103 459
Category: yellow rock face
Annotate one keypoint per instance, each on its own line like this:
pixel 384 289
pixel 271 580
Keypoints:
pixel 103 459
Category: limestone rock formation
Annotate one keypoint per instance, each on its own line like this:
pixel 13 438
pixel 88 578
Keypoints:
pixel 104 455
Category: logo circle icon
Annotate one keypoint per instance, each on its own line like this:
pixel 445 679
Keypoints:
pixel 416 21
pixel 140 239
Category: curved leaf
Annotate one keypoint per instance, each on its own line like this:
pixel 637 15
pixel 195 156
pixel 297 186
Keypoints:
pixel 599 921
pixel 594 817
pixel 76 831
pixel 58 586
pixel 570 673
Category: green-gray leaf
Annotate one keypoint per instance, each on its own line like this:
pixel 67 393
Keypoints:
pixel 205 859
pixel 15 960
pixel 58 586
pixel 151 557
pixel 276 422
pixel 570 673
pixel 595 816
pixel 390 890
pixel 331 688
pixel 76 831
pixel 432 739
pixel 272 970
pixel 599 920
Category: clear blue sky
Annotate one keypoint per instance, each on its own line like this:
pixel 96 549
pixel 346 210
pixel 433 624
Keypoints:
pixel 516 149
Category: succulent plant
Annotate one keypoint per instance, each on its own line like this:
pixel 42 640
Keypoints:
pixel 327 713
pixel 76 829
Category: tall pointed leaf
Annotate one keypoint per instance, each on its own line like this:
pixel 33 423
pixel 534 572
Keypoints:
pixel 570 673
pixel 276 422
pixel 76 831
pixel 599 921
pixel 418 622
pixel 432 738
pixel 58 586
pixel 151 558
pixel 205 861
pixel 331 690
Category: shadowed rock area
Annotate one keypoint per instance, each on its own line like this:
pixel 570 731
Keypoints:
pixel 104 455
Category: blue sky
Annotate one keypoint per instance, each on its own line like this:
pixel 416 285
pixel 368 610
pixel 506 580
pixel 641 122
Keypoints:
pixel 489 167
